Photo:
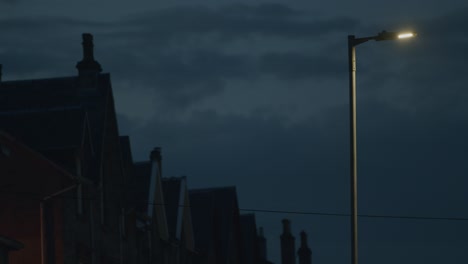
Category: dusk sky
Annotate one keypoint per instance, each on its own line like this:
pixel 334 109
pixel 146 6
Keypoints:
pixel 255 94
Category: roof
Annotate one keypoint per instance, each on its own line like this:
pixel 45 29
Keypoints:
pixel 138 187
pixel 60 94
pixel 214 212
pixel 48 93
pixel 20 164
pixel 46 129
pixel 173 189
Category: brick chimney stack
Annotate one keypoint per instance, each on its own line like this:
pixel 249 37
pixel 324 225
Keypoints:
pixel 156 159
pixel 156 155
pixel 156 198
pixel 88 64
pixel 288 248
pixel 304 252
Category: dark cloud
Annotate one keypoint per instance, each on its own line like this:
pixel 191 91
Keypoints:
pixel 164 47
pixel 297 65
pixel 239 21
pixel 274 10
pixel 9 1
pixel 183 79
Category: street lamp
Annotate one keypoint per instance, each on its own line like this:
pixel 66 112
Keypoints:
pixel 352 43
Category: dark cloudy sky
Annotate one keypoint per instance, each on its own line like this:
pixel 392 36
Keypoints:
pixel 254 94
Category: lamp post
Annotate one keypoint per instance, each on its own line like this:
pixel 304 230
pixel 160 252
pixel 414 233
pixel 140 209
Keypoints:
pixel 352 43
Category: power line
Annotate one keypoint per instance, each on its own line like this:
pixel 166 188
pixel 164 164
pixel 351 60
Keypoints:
pixel 262 210
pixel 292 212
pixel 360 215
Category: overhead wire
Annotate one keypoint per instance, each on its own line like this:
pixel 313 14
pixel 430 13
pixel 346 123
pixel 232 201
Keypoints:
pixel 272 211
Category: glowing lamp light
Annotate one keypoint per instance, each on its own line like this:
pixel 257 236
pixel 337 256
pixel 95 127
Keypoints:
pixel 406 35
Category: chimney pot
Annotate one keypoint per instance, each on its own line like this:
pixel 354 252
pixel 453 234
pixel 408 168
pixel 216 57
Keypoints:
pixel 156 154
pixel 304 238
pixel 286 226
pixel 88 46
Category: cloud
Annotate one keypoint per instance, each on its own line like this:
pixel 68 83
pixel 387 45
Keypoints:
pixel 189 54
pixel 181 52
pixel 239 21
pixel 9 1
pixel 297 65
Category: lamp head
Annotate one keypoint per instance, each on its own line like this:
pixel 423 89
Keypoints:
pixel 384 35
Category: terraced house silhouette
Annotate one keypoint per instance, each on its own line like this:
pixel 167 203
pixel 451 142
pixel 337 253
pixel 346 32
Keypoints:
pixel 72 193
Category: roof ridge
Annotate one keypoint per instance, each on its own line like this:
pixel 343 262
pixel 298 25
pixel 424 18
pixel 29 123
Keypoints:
pixel 40 79
pixel 230 187
pixel 49 78
pixel 173 178
pixel 141 162
pixel 41 110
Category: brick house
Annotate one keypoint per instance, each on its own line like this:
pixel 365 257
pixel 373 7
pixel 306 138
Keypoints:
pixel 30 194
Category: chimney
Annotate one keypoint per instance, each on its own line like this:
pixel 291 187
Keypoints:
pixel 156 197
pixel 156 155
pixel 288 249
pixel 304 252
pixel 88 68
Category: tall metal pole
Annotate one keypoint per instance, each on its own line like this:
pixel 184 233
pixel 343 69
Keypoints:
pixel 352 43
pixel 353 147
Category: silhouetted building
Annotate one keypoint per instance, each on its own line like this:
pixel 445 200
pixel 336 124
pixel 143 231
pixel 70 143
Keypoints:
pixel 84 140
pixel 262 244
pixel 148 201
pixel 304 252
pixel 162 206
pixel 216 225
pixel 250 246
pixel 288 250
pixel 179 220
pixel 262 248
